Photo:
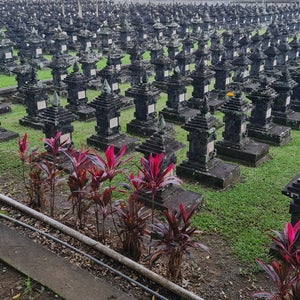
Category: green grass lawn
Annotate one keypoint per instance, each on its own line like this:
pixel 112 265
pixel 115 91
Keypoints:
pixel 242 215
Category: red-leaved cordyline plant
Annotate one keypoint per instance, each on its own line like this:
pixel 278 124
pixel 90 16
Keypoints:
pixel 54 147
pixel 174 239
pixel 35 185
pixel 112 165
pixel 78 182
pixel 285 272
pixel 100 199
pixel 133 218
pixel 155 176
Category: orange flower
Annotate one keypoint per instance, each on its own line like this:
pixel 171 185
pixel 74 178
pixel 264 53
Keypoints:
pixel 230 94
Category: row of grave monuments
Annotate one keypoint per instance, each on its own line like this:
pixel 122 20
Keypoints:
pixel 268 85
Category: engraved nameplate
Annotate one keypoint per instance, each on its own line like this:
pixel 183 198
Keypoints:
pixel 74 38
pixel 81 95
pixel 227 80
pixel 187 67
pixel 93 72
pixel 8 55
pixel 65 138
pixel 109 41
pixel 151 108
pixel 243 127
pixel 269 112
pixel 115 86
pixel 181 97
pixel 166 73
pixel 41 104
pixel 39 51
pixel 206 88
pixel 113 123
pixel 145 36
pixel 64 47
pixel 210 147
pixel 88 44
pixel 128 38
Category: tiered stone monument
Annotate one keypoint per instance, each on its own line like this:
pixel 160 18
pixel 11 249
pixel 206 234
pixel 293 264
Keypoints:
pixel 36 100
pixel 88 60
pixel 260 126
pixel 107 107
pixel 282 112
pixel 58 119
pixel 59 70
pixel 145 98
pixel 295 97
pixel 161 66
pixel 235 145
pixel 222 79
pixel 23 73
pixel 202 164
pixel 77 100
pixel 106 37
pixel 7 59
pixel 32 49
pixel 176 110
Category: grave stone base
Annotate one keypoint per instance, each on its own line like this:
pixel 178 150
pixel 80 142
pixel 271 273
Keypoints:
pixel 216 100
pixel 146 128
pixel 84 113
pixel 251 154
pixel 161 85
pixel 273 135
pixel 118 141
pixel 171 197
pixel 4 108
pixel 6 135
pixel 180 117
pixel 296 105
pixel 94 84
pixel 219 175
pixel 34 123
pixel 290 119
pixel 126 102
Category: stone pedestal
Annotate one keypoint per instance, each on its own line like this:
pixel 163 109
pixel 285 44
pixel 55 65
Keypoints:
pixel 260 126
pixel 292 190
pixel 6 135
pixel 281 111
pixel 235 145
pixel 201 164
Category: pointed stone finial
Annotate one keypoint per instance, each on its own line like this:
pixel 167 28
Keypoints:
pixel 145 77
pixel 106 88
pixel 75 67
pixel 161 125
pixel 204 109
pixel 55 100
pixel 176 71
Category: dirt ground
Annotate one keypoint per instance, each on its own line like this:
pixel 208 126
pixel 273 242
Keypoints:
pixel 213 276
